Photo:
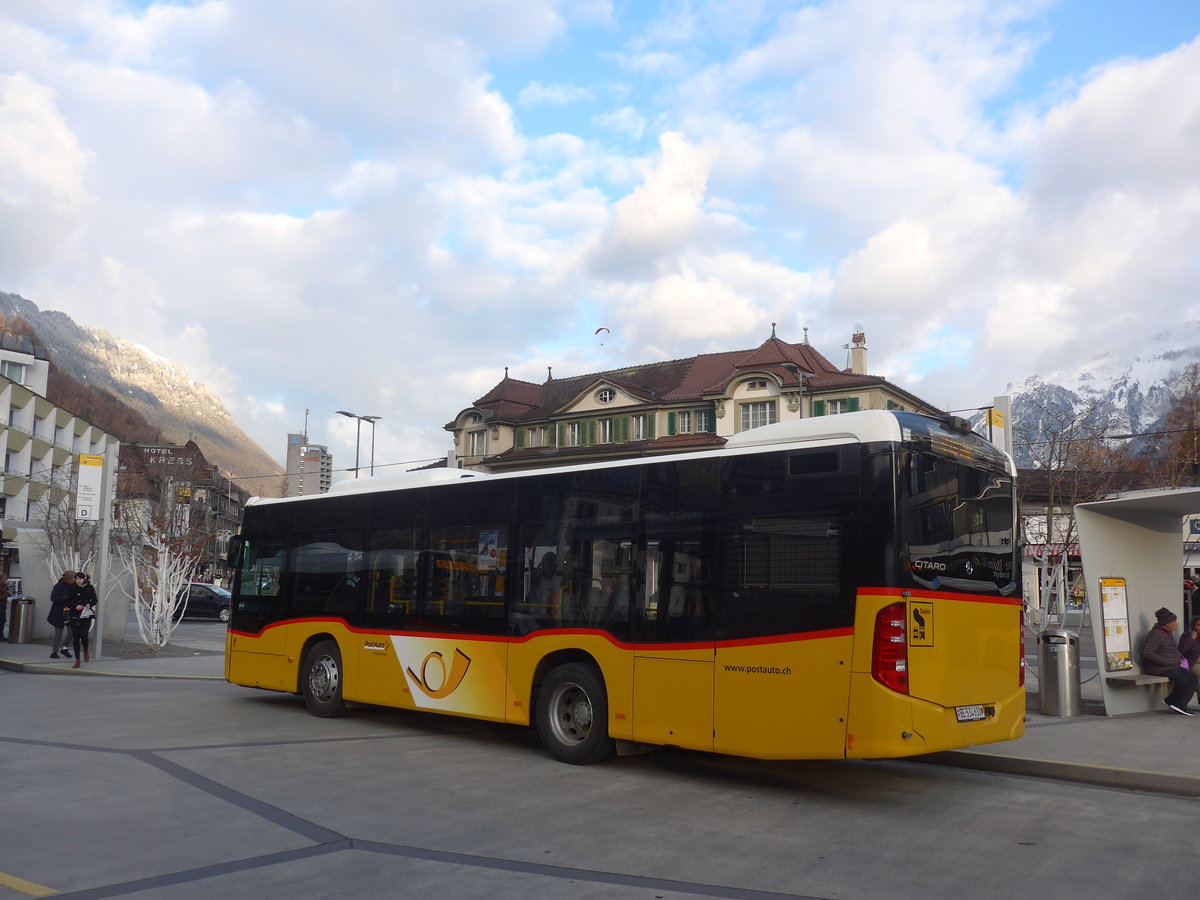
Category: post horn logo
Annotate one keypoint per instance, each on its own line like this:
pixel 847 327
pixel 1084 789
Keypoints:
pixel 434 681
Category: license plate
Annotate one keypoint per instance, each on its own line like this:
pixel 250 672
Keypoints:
pixel 968 713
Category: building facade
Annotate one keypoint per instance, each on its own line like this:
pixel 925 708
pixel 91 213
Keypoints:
pixel 309 467
pixel 666 407
pixel 177 482
pixel 41 445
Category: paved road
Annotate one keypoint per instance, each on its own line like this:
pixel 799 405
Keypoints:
pixel 199 789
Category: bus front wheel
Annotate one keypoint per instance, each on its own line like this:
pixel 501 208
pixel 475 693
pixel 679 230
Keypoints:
pixel 321 680
pixel 572 715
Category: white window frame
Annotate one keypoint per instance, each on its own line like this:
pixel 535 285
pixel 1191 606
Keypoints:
pixel 837 407
pixel 604 431
pixel 702 421
pixel 758 414
pixel 477 442
pixel 639 427
pixel 683 422
pixel 572 435
pixel 606 395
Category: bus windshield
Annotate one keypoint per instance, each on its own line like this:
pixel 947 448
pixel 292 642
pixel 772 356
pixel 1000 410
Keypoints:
pixel 958 525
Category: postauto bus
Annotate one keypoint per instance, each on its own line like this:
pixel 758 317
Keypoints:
pixel 838 587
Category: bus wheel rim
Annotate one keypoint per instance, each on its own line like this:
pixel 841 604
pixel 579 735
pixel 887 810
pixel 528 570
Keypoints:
pixel 570 715
pixel 323 679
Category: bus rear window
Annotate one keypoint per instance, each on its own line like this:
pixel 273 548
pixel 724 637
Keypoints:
pixel 958 526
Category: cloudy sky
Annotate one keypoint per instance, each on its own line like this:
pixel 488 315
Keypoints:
pixel 378 205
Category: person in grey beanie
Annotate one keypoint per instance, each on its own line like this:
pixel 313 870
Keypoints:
pixel 1160 655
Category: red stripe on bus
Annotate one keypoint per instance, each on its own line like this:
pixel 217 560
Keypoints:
pixel 588 632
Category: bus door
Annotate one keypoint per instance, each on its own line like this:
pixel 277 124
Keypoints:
pixel 257 644
pixel 673 653
pixel 675 616
pixel 783 664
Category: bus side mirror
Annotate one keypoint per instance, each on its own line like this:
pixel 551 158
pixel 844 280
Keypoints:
pixel 237 544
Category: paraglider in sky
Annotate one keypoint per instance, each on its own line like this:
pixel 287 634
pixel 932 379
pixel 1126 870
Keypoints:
pixel 606 333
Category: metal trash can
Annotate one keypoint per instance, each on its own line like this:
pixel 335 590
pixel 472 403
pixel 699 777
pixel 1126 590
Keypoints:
pixel 20 620
pixel 1058 673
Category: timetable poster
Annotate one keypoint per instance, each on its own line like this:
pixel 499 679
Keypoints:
pixel 1116 624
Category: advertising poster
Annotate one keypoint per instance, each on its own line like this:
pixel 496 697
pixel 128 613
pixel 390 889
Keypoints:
pixel 1116 625
pixel 87 495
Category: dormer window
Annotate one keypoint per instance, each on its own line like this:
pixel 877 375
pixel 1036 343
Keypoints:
pixel 606 395
pixel 756 385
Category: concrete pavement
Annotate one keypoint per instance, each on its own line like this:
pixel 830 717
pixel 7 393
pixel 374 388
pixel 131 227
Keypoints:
pixel 1147 751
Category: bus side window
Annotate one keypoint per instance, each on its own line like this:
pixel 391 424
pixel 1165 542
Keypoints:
pixel 327 569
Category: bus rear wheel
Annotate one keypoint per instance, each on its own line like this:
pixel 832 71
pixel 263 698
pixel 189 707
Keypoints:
pixel 572 715
pixel 321 680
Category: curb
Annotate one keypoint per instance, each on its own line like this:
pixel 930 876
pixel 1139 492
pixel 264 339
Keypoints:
pixel 1082 773
pixel 39 669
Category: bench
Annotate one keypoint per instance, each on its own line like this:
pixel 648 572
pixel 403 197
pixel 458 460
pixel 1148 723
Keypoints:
pixel 1134 679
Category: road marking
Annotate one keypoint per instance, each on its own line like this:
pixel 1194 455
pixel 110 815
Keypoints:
pixel 25 887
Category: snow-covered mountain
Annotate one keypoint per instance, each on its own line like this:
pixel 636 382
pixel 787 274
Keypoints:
pixel 1114 396
pixel 161 391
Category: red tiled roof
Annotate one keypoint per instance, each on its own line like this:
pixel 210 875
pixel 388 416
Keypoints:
pixel 673 381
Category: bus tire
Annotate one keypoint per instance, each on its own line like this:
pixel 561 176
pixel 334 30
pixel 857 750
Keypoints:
pixel 321 680
pixel 572 715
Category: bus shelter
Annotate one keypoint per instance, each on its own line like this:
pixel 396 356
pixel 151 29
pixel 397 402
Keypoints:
pixel 1132 551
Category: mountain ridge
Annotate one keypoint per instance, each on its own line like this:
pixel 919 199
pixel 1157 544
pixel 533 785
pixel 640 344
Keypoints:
pixel 162 392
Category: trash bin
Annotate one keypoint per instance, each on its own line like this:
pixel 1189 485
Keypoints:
pixel 20 620
pixel 1058 673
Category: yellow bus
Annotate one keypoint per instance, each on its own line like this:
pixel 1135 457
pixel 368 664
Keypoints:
pixel 839 587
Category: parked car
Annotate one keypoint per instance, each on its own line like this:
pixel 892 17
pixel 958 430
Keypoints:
pixel 203 599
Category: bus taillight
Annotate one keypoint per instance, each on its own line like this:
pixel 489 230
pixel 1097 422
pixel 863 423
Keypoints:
pixel 889 654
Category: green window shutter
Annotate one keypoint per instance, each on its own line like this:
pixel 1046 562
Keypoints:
pixel 852 404
pixel 589 432
pixel 519 438
pixel 891 404
pixel 621 429
pixel 651 420
pixel 670 423
pixel 818 407
pixel 559 437
pixel 711 415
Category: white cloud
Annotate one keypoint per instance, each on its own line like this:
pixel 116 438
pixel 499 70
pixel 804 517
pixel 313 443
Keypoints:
pixel 538 93
pixel 316 208
pixel 42 170
pixel 625 120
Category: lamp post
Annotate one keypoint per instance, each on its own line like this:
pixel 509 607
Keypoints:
pixel 800 376
pixel 358 436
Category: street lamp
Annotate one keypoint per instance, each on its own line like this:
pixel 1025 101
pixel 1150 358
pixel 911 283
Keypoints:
pixel 358 435
pixel 800 376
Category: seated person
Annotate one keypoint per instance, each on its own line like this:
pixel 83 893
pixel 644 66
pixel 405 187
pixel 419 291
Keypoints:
pixel 1160 656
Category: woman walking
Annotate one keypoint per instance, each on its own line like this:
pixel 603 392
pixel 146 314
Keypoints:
pixel 81 612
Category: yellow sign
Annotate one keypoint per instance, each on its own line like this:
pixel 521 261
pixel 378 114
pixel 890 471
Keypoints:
pixel 995 417
pixel 920 624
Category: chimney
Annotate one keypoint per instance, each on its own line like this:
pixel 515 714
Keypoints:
pixel 858 353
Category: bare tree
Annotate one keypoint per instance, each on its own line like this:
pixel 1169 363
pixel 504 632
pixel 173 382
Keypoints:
pixel 64 541
pixel 161 542
pixel 1175 453
pixel 1074 460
